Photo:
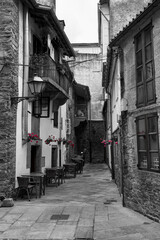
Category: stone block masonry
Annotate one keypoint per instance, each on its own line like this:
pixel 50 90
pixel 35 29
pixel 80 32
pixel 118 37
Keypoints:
pixel 121 8
pixel 50 3
pixel 8 88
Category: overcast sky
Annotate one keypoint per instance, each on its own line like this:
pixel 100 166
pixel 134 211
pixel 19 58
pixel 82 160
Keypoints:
pixel 80 17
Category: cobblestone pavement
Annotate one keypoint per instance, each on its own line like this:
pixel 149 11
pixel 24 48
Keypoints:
pixel 86 207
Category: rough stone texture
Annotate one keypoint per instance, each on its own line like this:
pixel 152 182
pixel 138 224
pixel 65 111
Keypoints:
pixel 87 71
pixel 82 198
pixel 97 148
pixel 50 3
pixel 116 158
pixel 122 11
pixel 141 188
pixel 8 88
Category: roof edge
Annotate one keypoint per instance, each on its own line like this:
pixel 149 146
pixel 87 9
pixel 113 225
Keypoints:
pixel 55 19
pixel 134 21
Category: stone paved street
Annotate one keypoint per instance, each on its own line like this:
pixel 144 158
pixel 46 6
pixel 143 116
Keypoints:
pixel 85 207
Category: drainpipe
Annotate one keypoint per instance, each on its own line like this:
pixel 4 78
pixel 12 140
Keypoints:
pixel 25 72
pixel 122 166
pixel 90 143
pixel 60 136
pixel 112 157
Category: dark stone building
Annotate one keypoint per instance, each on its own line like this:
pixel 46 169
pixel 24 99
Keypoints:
pixel 134 57
pixel 8 87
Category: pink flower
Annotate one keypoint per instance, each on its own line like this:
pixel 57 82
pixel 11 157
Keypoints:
pixel 36 141
pixel 110 141
pixel 31 141
pixel 116 142
pixel 103 141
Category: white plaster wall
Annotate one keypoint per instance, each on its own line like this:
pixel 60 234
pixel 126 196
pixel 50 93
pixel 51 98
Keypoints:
pixel 105 30
pixel 46 124
pixel 21 150
pixel 90 50
pixel 116 98
pixel 63 133
pixel 47 129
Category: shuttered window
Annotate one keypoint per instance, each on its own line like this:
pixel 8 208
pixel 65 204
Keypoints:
pixel 147 142
pixel 145 68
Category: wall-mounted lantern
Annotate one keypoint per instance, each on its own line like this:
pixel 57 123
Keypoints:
pixel 36 86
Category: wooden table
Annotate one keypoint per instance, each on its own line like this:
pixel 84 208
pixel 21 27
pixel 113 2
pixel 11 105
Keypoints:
pixel 70 168
pixel 59 172
pixel 39 179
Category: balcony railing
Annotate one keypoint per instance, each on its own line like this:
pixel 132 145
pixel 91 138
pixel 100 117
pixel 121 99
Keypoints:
pixel 45 67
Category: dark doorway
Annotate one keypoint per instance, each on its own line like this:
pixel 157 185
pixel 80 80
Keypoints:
pixel 54 157
pixel 35 161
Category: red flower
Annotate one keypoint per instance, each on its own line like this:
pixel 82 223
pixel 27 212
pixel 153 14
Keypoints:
pixel 116 142
pixel 36 141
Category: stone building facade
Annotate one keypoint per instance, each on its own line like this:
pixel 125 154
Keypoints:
pixel 32 48
pixel 122 12
pixel 136 50
pixel 87 70
pixel 8 86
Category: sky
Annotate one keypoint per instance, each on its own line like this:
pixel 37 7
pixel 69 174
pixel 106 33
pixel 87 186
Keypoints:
pixel 80 18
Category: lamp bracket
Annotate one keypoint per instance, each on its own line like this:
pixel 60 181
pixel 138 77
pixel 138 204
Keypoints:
pixel 16 100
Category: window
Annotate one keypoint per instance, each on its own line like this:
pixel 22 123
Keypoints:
pixel 41 107
pixel 55 122
pixel 68 126
pixel 147 141
pixel 145 68
pixel 37 45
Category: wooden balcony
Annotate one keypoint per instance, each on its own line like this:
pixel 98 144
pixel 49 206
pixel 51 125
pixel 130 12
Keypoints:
pixel 58 75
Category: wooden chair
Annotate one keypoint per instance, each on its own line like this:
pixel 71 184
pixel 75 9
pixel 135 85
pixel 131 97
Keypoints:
pixel 51 177
pixel 24 185
pixel 61 177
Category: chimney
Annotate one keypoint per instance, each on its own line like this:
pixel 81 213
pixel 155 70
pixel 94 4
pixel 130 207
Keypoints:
pixel 50 3
pixel 62 23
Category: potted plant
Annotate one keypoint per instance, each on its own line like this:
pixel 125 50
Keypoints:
pixel 50 139
pixel 32 137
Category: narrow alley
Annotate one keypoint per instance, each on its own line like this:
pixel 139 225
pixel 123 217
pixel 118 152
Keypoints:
pixel 86 207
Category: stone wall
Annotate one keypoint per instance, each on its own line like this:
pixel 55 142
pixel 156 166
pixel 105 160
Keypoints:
pixel 141 187
pixel 97 148
pixel 50 3
pixel 88 72
pixel 122 11
pixel 117 159
pixel 8 88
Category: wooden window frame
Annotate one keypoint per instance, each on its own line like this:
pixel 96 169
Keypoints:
pixel 146 135
pixel 143 67
pixel 40 105
pixel 55 121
